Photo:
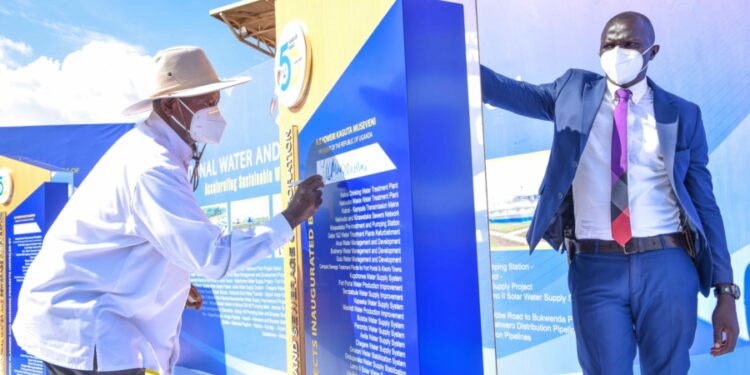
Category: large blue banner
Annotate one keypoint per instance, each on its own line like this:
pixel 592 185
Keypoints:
pixel 26 227
pixel 702 59
pixel 241 328
pixel 73 147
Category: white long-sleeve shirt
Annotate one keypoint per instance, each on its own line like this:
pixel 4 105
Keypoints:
pixel 652 202
pixel 113 273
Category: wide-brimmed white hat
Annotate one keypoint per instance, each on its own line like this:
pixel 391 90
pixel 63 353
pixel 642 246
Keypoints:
pixel 181 72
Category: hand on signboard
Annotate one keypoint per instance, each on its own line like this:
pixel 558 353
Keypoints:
pixel 305 200
pixel 194 300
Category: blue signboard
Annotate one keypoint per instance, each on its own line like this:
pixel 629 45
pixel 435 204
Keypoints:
pixel 26 227
pixel 389 260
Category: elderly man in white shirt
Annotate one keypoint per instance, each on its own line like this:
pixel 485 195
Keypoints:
pixel 107 290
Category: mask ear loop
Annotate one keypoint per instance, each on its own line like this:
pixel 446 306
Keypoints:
pixel 184 128
pixel 644 57
pixel 195 176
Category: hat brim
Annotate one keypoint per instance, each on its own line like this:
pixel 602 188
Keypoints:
pixel 145 104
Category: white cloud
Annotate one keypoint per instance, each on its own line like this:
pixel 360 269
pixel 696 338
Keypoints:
pixel 90 85
pixel 7 45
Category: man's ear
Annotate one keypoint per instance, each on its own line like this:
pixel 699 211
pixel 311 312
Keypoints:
pixel 166 105
pixel 654 51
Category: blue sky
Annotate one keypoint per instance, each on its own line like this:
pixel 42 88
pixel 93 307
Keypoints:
pixel 57 28
pixel 83 61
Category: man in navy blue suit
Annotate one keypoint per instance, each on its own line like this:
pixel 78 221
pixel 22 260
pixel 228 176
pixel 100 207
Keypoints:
pixel 628 194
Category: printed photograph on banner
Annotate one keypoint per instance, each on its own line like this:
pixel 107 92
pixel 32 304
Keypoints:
pixel 513 193
pixel 248 213
pixel 218 215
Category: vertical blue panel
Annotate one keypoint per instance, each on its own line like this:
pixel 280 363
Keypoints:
pixel 445 252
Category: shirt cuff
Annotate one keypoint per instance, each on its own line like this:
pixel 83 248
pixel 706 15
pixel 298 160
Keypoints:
pixel 281 231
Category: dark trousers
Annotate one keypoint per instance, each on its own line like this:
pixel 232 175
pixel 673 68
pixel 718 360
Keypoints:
pixel 57 370
pixel 646 301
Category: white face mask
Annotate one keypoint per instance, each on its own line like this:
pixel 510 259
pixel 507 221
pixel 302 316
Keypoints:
pixel 622 65
pixel 207 125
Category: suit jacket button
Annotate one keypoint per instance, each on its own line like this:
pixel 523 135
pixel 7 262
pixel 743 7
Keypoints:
pixel 560 195
pixel 575 164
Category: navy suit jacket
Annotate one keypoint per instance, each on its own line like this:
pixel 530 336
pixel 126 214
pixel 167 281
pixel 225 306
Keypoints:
pixel 572 102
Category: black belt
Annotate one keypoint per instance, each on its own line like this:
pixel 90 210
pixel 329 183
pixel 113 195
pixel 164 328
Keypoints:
pixel 635 245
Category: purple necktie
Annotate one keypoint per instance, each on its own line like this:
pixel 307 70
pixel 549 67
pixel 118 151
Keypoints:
pixel 620 212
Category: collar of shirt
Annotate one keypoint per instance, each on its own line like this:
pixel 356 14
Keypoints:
pixel 639 91
pixel 175 144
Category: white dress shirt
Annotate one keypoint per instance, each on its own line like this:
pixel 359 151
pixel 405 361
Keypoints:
pixel 113 273
pixel 653 205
